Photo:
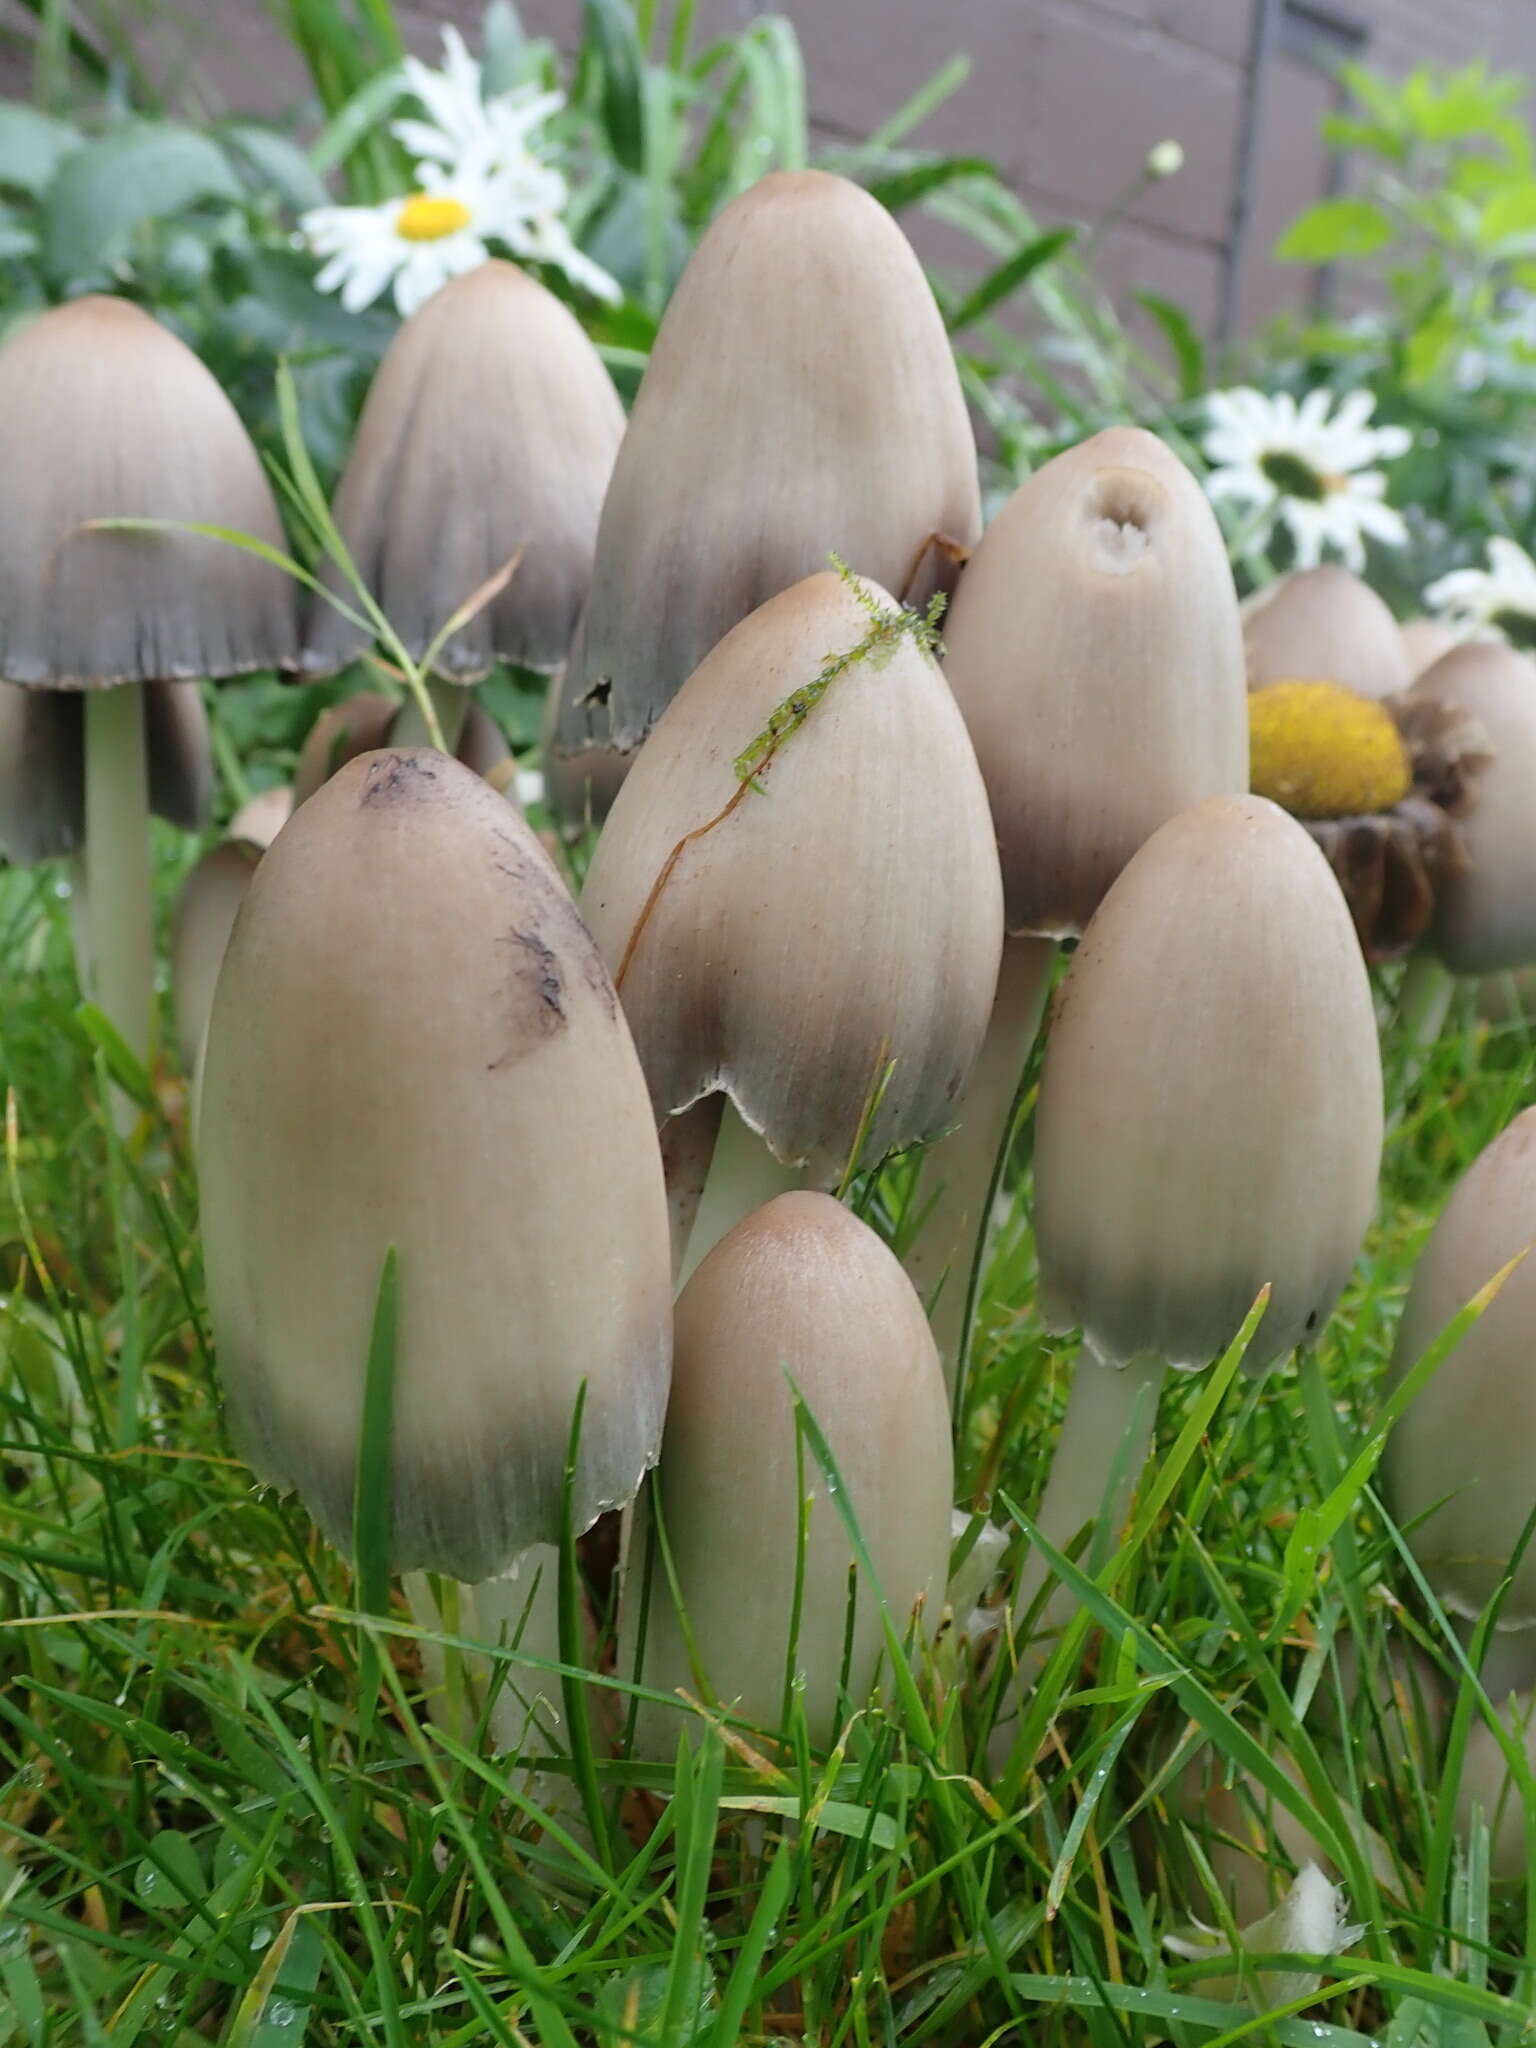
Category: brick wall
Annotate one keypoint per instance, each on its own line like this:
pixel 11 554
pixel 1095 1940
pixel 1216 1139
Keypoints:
pixel 1067 95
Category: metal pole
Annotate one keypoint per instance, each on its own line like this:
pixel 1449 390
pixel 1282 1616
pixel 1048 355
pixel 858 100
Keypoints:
pixel 1261 44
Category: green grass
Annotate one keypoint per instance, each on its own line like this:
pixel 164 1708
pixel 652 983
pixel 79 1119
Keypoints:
pixel 207 1834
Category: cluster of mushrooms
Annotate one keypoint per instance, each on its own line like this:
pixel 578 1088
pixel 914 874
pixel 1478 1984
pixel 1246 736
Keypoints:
pixel 837 863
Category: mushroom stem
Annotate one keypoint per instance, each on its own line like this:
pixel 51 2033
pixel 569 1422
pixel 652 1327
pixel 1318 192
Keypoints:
pixel 519 1609
pixel 960 1174
pixel 1424 1000
pixel 450 707
pixel 117 914
pixel 1105 1436
pixel 743 1175
pixel 687 1149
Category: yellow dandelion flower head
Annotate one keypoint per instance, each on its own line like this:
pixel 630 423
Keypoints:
pixel 1321 751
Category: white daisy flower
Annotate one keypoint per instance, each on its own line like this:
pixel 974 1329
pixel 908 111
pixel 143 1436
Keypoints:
pixel 1293 465
pixel 415 244
pixel 461 124
pixel 1499 599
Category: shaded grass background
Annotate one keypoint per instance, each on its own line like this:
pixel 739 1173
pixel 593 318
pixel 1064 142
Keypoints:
pixel 203 1838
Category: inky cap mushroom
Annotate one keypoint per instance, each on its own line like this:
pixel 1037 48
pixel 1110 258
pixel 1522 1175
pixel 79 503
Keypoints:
pixel 490 427
pixel 1459 1462
pixel 1324 625
pixel 414 1043
pixel 841 916
pixel 801 398
pixel 1093 647
pixel 801 1295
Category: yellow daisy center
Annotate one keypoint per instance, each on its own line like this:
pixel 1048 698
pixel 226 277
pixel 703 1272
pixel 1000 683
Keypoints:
pixel 1322 752
pixel 430 217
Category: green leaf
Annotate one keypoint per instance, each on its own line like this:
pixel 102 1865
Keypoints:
pixel 32 147
pixel 145 171
pixel 273 166
pixel 126 1069
pixel 904 188
pixel 1334 228
pixel 503 48
pixel 1184 344
pixel 1003 282
pixel 372 1496
pixel 355 120
pixel 1509 215
pixel 611 33
pixel 276 2003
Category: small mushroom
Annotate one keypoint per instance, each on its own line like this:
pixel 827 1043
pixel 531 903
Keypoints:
pixel 204 912
pixel 359 724
pixel 1324 625
pixel 1425 641
pixel 802 1298
pixel 1209 1124
pixel 1485 912
pixel 489 434
pixel 1462 1489
pixel 455 1081
pixel 801 397
pixel 819 941
pixel 105 414
pixel 1094 650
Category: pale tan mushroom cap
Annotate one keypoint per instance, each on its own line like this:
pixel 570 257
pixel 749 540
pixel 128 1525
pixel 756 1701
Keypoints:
pixel 364 721
pixel 202 918
pixel 1485 911
pixel 801 398
pixel 1325 625
pixel 42 765
pixel 848 915
pixel 1210 1113
pixel 491 426
pixel 414 1043
pixel 1425 641
pixel 1094 649
pixel 1459 1462
pixel 800 1292
pixel 105 414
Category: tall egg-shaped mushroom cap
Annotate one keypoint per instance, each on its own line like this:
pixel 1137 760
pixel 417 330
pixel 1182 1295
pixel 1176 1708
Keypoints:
pixel 105 414
pixel 491 426
pixel 1093 647
pixel 845 916
pixel 1485 910
pixel 1210 1112
pixel 801 398
pixel 800 1292
pixel 1460 1461
pixel 207 903
pixel 1324 625
pixel 414 1043
pixel 42 765
pixel 1426 641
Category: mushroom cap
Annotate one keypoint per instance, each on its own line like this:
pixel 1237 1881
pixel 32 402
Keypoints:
pixel 361 723
pixel 1210 1114
pixel 1324 625
pixel 799 1295
pixel 42 766
pixel 801 397
pixel 491 426
pixel 1485 912
pixel 1094 649
pixel 1459 1461
pixel 202 918
pixel 1425 641
pixel 261 817
pixel 847 915
pixel 357 725
pixel 414 1043
pixel 105 414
